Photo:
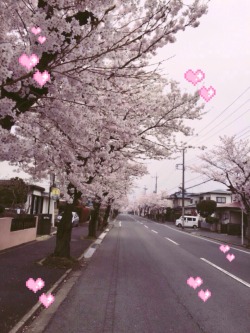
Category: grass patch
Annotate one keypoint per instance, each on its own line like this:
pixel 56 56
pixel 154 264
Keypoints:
pixel 62 263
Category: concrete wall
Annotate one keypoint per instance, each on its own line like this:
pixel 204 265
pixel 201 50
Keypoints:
pixel 13 238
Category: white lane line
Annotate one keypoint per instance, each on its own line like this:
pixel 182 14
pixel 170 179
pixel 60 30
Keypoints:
pixel 208 240
pixel 226 272
pixel 120 224
pixel 155 231
pixel 146 226
pixel 171 240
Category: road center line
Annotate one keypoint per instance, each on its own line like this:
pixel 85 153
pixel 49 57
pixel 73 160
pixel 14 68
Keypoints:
pixel 171 240
pixel 226 272
pixel 146 226
pixel 155 231
pixel 120 224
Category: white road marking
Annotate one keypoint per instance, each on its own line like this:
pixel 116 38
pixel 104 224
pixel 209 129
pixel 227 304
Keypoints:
pixel 120 224
pixel 171 240
pixel 208 240
pixel 146 226
pixel 226 272
pixel 155 231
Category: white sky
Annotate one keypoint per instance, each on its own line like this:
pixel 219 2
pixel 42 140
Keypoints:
pixel 220 47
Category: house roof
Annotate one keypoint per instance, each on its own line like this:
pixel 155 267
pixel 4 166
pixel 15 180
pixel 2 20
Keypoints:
pixel 229 205
pixel 188 195
pixel 217 192
pixel 36 187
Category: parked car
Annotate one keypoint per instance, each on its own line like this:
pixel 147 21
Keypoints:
pixel 189 221
pixel 75 219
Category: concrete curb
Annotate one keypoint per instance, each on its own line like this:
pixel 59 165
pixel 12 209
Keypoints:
pixel 40 323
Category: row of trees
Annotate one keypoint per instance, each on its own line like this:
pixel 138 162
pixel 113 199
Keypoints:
pixel 104 108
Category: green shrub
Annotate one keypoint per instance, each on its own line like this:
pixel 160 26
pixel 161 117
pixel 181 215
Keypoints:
pixel 211 219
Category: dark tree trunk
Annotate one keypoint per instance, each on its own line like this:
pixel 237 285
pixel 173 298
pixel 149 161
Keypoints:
pixel 248 229
pixel 94 219
pixel 63 235
pixel 106 216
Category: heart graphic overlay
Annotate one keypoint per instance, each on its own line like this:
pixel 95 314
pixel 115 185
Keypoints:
pixel 224 248
pixel 230 257
pixel 204 295
pixel 35 30
pixel 35 285
pixel 194 283
pixel 28 62
pixel 194 78
pixel 41 39
pixel 41 78
pixel 46 300
pixel 207 93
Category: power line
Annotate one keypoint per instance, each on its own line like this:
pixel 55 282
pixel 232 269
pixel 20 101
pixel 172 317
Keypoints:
pixel 212 121
pixel 199 184
pixel 225 126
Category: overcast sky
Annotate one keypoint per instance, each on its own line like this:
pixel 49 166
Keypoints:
pixel 220 47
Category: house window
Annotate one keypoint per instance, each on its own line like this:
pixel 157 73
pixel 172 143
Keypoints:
pixel 207 198
pixel 36 205
pixel 191 201
pixel 221 199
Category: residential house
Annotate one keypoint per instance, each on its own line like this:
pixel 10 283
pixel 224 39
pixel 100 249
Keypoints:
pixel 39 202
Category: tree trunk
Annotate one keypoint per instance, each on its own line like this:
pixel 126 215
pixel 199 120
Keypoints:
pixel 63 235
pixel 106 216
pixel 94 219
pixel 248 229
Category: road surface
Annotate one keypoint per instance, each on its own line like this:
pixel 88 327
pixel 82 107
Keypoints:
pixel 136 282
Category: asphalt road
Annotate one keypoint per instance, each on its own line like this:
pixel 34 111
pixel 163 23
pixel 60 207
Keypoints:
pixel 136 282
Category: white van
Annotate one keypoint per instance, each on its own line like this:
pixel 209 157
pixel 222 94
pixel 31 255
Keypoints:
pixel 189 221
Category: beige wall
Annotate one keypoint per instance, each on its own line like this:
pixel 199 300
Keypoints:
pixel 12 238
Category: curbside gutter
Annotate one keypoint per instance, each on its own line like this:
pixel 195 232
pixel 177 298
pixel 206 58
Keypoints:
pixel 43 318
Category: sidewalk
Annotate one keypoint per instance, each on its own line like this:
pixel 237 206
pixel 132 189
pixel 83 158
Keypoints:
pixel 20 263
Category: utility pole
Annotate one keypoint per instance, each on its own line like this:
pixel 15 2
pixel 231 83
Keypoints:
pixel 183 183
pixel 156 177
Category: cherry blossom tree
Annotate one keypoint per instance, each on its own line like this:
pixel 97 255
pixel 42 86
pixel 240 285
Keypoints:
pixel 229 164
pixel 101 103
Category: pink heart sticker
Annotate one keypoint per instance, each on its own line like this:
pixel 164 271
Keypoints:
pixel 35 30
pixel 204 295
pixel 224 248
pixel 41 78
pixel 194 283
pixel 207 93
pixel 194 78
pixel 41 39
pixel 230 257
pixel 28 62
pixel 46 300
pixel 35 285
